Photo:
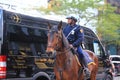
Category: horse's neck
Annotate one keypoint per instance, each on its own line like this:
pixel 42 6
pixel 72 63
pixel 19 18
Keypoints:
pixel 65 41
pixel 65 54
pixel 62 59
pixel 66 46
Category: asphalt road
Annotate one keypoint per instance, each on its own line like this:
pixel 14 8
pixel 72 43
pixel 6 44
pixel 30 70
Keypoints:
pixel 117 78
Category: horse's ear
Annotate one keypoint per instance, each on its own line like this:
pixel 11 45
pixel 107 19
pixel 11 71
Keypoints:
pixel 49 25
pixel 60 25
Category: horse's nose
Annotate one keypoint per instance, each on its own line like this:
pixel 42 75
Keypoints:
pixel 49 52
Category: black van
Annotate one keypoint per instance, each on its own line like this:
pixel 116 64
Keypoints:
pixel 23 41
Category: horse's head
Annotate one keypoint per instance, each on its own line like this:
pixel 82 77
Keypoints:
pixel 54 38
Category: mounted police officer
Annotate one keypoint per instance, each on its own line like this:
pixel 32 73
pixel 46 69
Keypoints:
pixel 74 34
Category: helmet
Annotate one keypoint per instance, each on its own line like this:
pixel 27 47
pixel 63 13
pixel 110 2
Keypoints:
pixel 72 17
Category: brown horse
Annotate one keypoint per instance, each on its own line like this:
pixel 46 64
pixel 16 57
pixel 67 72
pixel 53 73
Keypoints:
pixel 66 64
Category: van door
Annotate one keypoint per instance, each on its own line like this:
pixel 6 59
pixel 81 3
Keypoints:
pixel 98 49
pixel 20 60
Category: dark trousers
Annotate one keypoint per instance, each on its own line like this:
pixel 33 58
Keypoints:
pixel 84 56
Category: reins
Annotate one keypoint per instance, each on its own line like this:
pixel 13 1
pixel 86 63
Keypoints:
pixel 67 50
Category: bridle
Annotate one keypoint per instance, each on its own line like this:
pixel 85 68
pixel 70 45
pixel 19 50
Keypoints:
pixel 59 50
pixel 59 38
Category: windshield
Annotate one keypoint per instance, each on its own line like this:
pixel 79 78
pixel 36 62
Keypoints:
pixel 115 58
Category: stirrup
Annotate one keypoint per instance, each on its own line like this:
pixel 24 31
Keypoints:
pixel 87 73
pixel 91 63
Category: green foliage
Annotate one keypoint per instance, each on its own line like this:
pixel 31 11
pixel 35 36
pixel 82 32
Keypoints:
pixel 55 6
pixel 108 22
pixel 78 7
pixel 70 6
pixel 108 25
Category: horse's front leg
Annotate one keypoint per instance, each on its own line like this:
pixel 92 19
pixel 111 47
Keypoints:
pixel 57 75
pixel 74 75
pixel 81 77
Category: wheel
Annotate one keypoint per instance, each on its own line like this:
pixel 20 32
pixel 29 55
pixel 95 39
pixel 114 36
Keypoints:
pixel 42 78
pixel 116 70
pixel 108 77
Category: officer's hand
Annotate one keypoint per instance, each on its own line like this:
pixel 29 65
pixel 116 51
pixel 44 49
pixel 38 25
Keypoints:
pixel 71 46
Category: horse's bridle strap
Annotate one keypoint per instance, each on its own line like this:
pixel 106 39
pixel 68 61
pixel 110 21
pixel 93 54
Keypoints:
pixel 50 46
pixel 68 49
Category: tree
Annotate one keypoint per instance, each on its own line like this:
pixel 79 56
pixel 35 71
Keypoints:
pixel 78 7
pixel 107 21
pixel 108 25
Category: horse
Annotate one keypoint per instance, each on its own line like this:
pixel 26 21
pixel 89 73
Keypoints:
pixel 67 66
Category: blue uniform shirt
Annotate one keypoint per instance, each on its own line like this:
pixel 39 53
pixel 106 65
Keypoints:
pixel 76 37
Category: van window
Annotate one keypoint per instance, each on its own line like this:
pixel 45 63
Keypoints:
pixel 29 49
pixel 98 49
pixel 115 59
pixel 26 40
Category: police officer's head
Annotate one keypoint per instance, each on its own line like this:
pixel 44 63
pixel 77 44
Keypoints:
pixel 71 20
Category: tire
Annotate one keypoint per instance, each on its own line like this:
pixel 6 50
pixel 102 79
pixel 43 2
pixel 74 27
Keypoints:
pixel 108 77
pixel 42 78
pixel 116 70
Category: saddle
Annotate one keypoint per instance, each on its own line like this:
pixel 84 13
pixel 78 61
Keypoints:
pixel 79 61
pixel 81 64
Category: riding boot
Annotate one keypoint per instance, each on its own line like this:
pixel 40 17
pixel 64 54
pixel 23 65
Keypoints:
pixel 85 63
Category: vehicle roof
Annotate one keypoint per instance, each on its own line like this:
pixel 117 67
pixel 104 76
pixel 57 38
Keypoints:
pixel 116 62
pixel 30 20
pixel 114 55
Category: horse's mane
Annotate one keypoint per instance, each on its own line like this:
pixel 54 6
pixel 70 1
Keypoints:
pixel 65 41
